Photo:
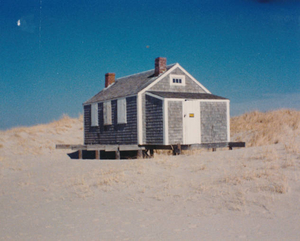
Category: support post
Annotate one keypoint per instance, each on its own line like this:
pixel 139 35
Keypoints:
pixel 97 154
pixel 79 154
pixel 118 154
pixel 139 154
pixel 151 153
pixel 176 149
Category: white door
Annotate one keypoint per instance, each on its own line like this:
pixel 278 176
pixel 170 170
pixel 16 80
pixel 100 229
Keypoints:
pixel 191 122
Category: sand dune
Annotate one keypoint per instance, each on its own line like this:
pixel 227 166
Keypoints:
pixel 42 138
pixel 250 193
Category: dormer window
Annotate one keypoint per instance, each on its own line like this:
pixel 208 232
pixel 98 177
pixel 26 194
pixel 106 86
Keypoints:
pixel 178 80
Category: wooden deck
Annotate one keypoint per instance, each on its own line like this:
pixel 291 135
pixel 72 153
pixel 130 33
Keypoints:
pixel 145 150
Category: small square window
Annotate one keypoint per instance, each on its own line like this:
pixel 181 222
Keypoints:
pixel 178 80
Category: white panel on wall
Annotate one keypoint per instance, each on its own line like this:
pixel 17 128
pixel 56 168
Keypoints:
pixel 94 114
pixel 122 115
pixel 107 113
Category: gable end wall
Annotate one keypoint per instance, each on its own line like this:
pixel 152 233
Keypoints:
pixel 164 84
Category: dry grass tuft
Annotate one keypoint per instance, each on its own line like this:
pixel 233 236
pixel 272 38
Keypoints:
pixel 199 168
pixel 288 162
pixel 85 185
pixel 269 154
pixel 292 147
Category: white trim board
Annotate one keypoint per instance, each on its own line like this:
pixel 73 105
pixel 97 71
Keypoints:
pixel 228 122
pixel 165 122
pixel 140 119
pixel 155 96
pixel 204 100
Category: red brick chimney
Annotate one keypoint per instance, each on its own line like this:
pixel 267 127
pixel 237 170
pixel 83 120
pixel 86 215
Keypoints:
pixel 160 65
pixel 109 79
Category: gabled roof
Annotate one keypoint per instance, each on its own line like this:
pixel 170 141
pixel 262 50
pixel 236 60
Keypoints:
pixel 184 95
pixel 126 86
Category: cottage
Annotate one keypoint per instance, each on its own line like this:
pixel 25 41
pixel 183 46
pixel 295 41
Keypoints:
pixel 162 107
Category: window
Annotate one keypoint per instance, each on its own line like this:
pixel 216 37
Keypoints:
pixel 94 114
pixel 178 80
pixel 122 115
pixel 107 113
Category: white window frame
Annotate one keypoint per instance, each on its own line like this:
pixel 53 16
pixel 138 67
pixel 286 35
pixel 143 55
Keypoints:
pixel 94 114
pixel 121 110
pixel 107 119
pixel 179 77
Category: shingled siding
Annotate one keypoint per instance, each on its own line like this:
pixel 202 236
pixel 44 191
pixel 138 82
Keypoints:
pixel 90 133
pixel 154 120
pixel 175 122
pixel 213 122
pixel 164 84
pixel 115 133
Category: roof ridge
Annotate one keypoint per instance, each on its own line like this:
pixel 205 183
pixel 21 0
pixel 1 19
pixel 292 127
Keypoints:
pixel 141 72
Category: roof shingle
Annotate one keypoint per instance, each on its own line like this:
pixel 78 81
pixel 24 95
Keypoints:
pixel 126 86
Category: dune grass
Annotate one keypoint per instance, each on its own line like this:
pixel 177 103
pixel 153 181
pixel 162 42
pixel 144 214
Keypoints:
pixel 43 138
pixel 265 128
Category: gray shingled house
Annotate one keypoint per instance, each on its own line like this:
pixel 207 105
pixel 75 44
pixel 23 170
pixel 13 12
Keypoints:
pixel 164 106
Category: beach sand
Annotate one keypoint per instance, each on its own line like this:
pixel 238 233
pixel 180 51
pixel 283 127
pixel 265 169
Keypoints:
pixel 250 193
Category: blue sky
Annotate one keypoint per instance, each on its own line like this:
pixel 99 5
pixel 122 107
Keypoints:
pixel 55 53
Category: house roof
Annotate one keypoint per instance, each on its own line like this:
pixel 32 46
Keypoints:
pixel 126 86
pixel 182 95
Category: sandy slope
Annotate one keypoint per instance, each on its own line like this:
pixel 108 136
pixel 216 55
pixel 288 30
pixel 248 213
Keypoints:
pixel 251 193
